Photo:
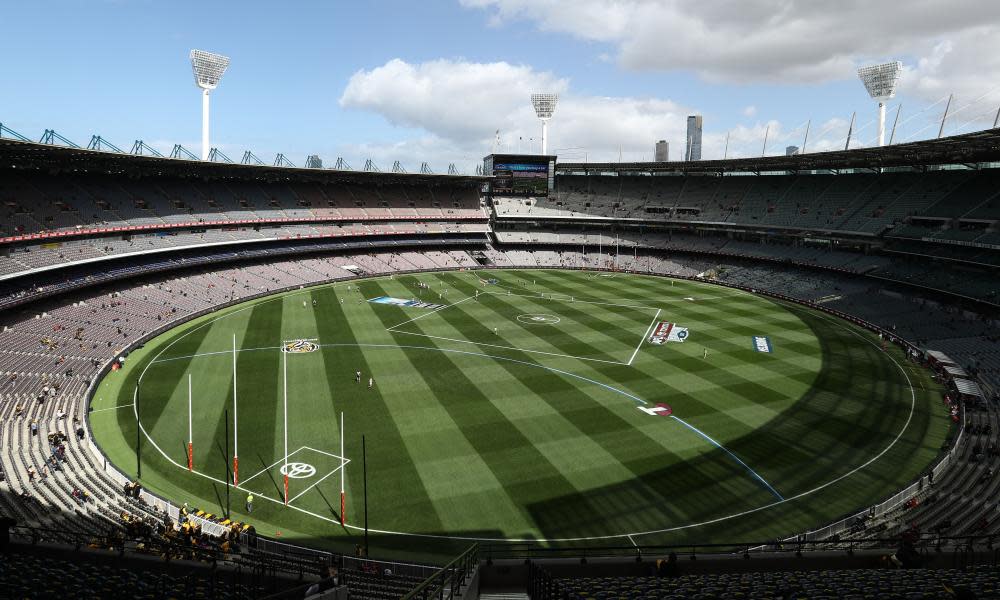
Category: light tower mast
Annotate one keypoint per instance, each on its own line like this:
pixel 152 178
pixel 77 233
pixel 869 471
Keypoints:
pixel 880 81
pixel 545 105
pixel 208 69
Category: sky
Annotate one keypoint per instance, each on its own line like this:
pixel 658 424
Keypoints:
pixel 433 81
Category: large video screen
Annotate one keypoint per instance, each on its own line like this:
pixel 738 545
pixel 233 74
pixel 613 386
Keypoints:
pixel 521 178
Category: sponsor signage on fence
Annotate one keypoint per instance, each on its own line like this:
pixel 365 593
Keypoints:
pixel 762 344
pixel 668 332
pixel 407 303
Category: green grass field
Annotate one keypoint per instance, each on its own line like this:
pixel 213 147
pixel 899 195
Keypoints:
pixel 515 414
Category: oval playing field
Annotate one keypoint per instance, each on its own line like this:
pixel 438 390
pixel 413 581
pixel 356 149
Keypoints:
pixel 532 408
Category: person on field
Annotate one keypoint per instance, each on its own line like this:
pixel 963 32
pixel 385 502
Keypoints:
pixel 357 376
pixel 249 503
pixel 371 382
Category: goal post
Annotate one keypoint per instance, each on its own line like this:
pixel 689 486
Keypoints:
pixel 284 368
pixel 343 467
pixel 190 430
pixel 236 429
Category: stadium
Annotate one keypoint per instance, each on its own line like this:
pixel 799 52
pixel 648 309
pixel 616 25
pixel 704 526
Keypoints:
pixel 244 380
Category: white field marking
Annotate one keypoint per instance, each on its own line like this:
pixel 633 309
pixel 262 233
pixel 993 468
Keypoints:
pixel 574 301
pixel 727 451
pixel 163 360
pixel 429 313
pixel 641 341
pixel 268 468
pixel 589 538
pixel 342 458
pixel 336 470
pixel 437 337
pixel 538 319
pixel 633 541
pixel 97 410
pixel 578 539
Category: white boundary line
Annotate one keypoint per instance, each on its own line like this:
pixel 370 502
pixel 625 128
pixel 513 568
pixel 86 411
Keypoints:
pixel 641 341
pixel 578 539
pixel 97 410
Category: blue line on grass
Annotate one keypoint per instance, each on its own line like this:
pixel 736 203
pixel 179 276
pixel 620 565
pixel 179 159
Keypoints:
pixel 726 450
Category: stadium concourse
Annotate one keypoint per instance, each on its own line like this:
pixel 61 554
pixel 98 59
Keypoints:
pixel 96 262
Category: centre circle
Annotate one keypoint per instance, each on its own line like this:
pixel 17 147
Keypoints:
pixel 538 319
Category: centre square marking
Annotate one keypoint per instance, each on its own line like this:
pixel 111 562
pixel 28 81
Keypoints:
pixel 538 319
pixel 505 320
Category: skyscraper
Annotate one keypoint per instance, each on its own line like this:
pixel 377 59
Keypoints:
pixel 662 151
pixel 693 150
pixel 791 150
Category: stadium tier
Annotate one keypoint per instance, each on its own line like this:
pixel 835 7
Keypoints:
pixel 856 203
pixel 108 258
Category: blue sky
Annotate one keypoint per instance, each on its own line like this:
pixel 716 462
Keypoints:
pixel 416 81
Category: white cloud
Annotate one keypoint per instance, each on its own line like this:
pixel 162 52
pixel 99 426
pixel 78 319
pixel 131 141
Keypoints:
pixel 453 99
pixel 780 41
pixel 750 111
pixel 460 105
pixel 455 108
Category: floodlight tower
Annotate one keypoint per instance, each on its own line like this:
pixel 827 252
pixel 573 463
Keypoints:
pixel 545 105
pixel 208 69
pixel 880 81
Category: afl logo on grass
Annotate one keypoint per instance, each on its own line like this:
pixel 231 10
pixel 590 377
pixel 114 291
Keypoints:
pixel 298 470
pixel 538 319
pixel 299 346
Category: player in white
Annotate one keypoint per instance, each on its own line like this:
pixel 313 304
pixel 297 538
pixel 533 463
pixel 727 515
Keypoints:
pixel 357 376
pixel 371 382
pixel 706 353
pixel 496 331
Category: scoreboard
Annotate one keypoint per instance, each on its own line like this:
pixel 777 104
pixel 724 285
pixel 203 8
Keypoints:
pixel 520 174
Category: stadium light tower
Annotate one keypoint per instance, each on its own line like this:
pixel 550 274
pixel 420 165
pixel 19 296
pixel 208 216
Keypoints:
pixel 545 105
pixel 208 69
pixel 880 81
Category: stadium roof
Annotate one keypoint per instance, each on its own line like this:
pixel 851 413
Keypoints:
pixel 16 154
pixel 968 149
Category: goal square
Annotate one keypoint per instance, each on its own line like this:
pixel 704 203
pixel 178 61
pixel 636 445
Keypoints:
pixel 308 468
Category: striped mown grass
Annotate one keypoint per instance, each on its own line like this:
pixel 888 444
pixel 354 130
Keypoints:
pixel 487 422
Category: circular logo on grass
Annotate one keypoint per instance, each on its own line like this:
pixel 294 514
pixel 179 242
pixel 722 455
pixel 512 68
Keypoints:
pixel 538 319
pixel 299 346
pixel 298 470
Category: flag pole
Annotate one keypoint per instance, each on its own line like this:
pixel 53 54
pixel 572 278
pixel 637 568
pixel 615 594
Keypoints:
pixel 236 430
pixel 190 430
